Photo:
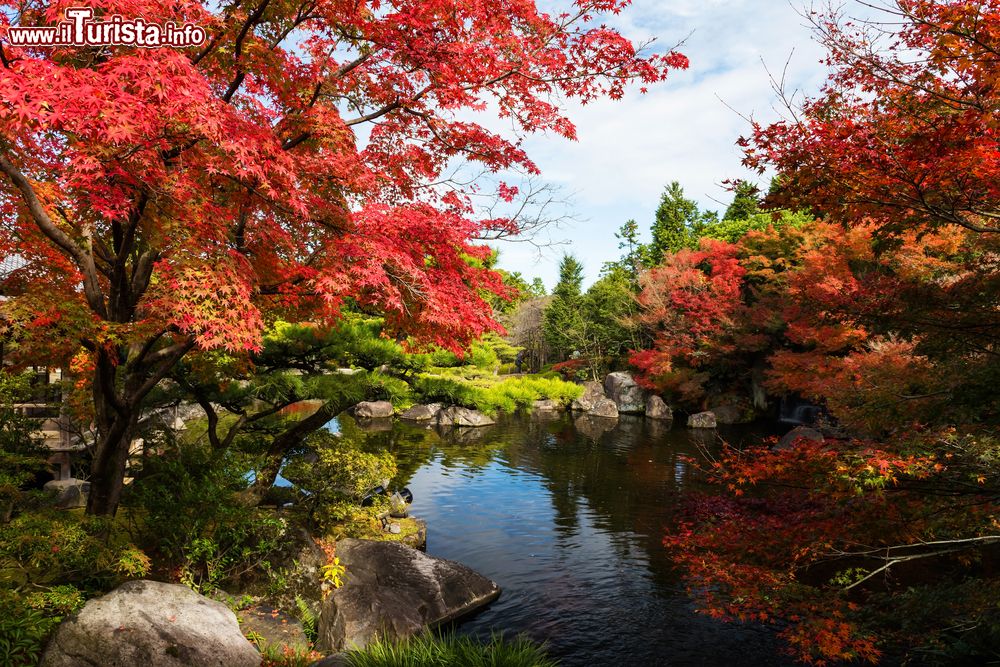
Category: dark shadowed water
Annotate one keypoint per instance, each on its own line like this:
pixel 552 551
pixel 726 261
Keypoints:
pixel 568 518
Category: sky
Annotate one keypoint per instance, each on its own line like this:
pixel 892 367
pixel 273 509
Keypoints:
pixel 684 129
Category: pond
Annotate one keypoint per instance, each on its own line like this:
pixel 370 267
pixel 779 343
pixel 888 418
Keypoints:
pixel 568 517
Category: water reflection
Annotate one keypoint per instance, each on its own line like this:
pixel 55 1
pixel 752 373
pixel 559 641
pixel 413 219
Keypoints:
pixel 568 517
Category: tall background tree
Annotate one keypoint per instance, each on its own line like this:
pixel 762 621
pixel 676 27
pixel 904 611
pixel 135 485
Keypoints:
pixel 172 200
pixel 677 225
pixel 565 325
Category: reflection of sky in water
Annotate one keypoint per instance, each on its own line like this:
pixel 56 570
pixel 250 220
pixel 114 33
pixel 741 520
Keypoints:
pixel 333 426
pixel 570 525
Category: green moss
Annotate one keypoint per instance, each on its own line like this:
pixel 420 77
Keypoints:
pixel 372 530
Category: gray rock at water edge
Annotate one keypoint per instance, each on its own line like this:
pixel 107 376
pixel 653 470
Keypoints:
pixel 592 392
pixel 373 410
pixel 456 416
pixel 71 493
pixel 621 388
pixel 732 414
pixel 420 413
pixel 333 660
pixel 149 623
pixel 797 435
pixel 656 408
pixel 702 420
pixel 604 407
pixel 392 592
pixel 547 405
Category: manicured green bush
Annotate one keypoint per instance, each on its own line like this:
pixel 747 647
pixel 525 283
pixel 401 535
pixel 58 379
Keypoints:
pixel 51 561
pixel 383 387
pixel 482 355
pixel 21 454
pixel 491 396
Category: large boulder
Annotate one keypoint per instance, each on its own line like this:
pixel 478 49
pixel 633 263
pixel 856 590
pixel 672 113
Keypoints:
pixel 799 434
pixel 621 388
pixel 547 405
pixel 333 660
pixel 604 407
pixel 702 420
pixel 732 408
pixel 70 493
pixel 656 408
pixel 373 410
pixel 456 416
pixel 422 413
pixel 392 592
pixel 151 623
pixel 592 392
pixel 732 414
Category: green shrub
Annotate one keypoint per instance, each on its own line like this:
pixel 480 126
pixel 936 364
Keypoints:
pixel 334 474
pixel 437 651
pixel 482 355
pixel 186 509
pixel 48 548
pixel 21 454
pixel 51 561
pixel 449 391
pixel 383 387
pixel 23 630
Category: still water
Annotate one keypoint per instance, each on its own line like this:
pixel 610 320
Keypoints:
pixel 568 518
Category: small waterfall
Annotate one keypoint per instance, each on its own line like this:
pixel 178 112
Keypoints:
pixel 796 411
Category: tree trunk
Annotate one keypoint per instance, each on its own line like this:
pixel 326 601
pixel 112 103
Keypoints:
pixel 107 471
pixel 116 416
pixel 283 442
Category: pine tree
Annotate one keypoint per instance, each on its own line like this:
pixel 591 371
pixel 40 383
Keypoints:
pixel 745 203
pixel 564 326
pixel 679 224
pixel 628 240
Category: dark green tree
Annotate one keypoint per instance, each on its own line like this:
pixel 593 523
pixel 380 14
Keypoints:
pixel 679 223
pixel 745 203
pixel 537 287
pixel 608 307
pixel 634 250
pixel 564 325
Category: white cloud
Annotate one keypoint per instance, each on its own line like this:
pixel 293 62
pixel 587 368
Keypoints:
pixel 681 130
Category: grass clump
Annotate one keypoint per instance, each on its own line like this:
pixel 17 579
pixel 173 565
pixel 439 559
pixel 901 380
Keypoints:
pixel 451 650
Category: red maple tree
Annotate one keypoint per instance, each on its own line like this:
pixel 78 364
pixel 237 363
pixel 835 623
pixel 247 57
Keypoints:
pixel 882 538
pixel 165 200
pixel 904 131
